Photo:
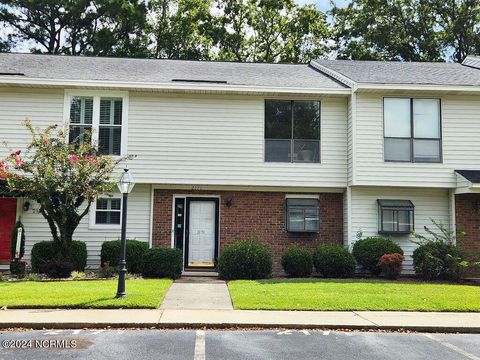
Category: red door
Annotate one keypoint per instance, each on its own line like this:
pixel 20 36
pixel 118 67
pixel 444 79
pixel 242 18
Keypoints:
pixel 8 216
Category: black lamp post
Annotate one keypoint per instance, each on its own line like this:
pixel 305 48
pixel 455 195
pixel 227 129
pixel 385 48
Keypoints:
pixel 125 185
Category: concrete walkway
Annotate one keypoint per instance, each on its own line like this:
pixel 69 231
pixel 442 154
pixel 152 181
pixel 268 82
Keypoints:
pixel 198 293
pixel 171 318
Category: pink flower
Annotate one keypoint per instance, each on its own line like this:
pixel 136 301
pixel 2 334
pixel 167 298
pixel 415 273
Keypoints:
pixel 73 158
pixel 19 162
pixel 3 165
pixel 18 152
pixel 90 159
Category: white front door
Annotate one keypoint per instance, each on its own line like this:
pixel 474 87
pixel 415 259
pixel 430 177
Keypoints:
pixel 201 238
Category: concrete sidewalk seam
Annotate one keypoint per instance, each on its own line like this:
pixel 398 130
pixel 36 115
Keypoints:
pixel 364 318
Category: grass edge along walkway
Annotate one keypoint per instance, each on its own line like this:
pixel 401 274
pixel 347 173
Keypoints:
pixel 92 294
pixel 352 295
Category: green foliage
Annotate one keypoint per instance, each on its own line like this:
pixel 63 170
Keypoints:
pixel 407 30
pixel 245 259
pixel 182 29
pixel 64 179
pixel 134 252
pixel 46 252
pixel 297 261
pixel 333 261
pixel 107 271
pixel 13 242
pixel 162 263
pixel 437 256
pixel 77 27
pixel 368 252
pixel 58 268
pixel 271 31
pixel 391 265
pixel 17 267
pixel 77 275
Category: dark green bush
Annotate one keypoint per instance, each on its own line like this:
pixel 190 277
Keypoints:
pixel 17 267
pixel 297 261
pixel 333 261
pixel 134 252
pixel 13 242
pixel 58 268
pixel 162 263
pixel 78 253
pixel 368 252
pixel 246 259
pixel 45 252
pixel 438 260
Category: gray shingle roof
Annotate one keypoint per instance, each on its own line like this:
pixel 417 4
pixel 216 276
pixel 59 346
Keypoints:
pixel 164 71
pixel 471 175
pixel 415 73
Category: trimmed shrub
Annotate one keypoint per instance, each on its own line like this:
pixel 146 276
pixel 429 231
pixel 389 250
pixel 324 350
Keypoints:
pixel 17 267
pixel 110 254
pixel 58 268
pixel 297 261
pixel 46 252
pixel 13 242
pixel 391 265
pixel 368 252
pixel 245 259
pixel 438 260
pixel 162 263
pixel 106 271
pixel 333 261
pixel 78 253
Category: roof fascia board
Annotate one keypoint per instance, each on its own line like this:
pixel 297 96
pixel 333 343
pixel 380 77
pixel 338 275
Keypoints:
pixel 167 86
pixel 334 74
pixel 413 87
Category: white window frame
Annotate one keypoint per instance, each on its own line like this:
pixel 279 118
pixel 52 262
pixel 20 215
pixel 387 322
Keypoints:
pixel 93 214
pixel 96 95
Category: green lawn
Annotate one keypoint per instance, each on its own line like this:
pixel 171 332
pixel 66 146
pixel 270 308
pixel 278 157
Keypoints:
pixel 82 294
pixel 352 295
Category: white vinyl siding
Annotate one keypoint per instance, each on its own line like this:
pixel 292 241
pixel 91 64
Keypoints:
pixel 460 144
pixel 138 226
pixel 43 107
pixel 429 204
pixel 215 140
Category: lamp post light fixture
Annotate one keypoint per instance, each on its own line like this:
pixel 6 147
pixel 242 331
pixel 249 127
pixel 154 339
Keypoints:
pixel 125 185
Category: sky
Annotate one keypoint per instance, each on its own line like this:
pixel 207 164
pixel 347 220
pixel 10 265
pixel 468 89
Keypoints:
pixel 322 5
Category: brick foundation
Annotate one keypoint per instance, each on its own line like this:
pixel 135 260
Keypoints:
pixel 468 220
pixel 263 212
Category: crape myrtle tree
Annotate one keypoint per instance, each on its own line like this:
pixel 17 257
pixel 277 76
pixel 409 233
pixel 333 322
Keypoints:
pixel 64 179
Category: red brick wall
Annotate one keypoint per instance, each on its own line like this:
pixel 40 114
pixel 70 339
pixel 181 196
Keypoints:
pixel 263 212
pixel 468 220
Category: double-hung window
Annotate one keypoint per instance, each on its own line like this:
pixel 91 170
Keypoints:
pixel 81 118
pixel 99 119
pixel 107 211
pixel 292 131
pixel 412 130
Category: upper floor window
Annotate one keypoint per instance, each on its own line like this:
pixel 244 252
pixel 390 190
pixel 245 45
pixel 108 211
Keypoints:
pixel 412 130
pixel 292 131
pixel 100 120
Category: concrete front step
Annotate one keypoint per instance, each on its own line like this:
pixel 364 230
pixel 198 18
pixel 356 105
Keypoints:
pixel 200 273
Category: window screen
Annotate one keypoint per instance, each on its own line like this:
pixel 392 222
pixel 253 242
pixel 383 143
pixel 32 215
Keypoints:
pixel 303 215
